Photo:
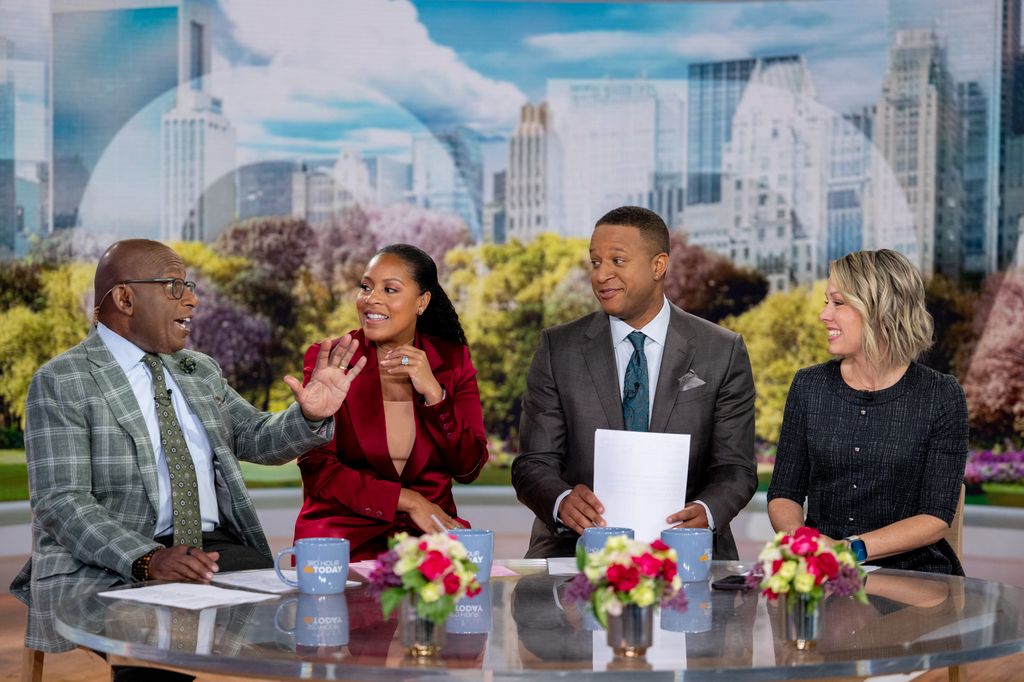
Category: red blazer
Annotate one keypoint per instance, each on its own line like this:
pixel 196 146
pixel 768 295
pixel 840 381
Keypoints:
pixel 350 486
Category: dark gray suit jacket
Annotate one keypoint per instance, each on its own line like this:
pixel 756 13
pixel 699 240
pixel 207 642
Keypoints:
pixel 572 390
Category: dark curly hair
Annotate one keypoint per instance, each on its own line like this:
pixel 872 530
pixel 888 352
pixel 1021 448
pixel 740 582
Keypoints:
pixel 439 319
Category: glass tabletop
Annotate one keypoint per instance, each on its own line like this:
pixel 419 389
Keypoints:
pixel 520 627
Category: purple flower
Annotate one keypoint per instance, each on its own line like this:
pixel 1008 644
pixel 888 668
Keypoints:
pixel 677 602
pixel 383 574
pixel 847 583
pixel 578 590
pixel 755 576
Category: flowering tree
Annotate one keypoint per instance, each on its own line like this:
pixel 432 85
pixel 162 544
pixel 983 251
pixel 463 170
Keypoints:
pixel 434 232
pixel 344 244
pixel 709 285
pixel 277 245
pixel 238 340
pixel 994 382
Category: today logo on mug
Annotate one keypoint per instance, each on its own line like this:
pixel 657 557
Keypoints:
pixel 321 565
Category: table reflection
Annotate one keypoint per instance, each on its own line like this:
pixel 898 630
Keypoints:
pixel 523 627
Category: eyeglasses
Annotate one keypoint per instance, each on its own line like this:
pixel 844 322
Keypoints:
pixel 176 289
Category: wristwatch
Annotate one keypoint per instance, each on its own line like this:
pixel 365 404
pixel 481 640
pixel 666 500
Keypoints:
pixel 860 550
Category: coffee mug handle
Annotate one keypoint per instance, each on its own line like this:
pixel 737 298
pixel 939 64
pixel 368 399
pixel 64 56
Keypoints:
pixel 277 616
pixel 277 566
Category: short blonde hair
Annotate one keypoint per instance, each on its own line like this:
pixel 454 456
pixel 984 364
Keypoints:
pixel 888 292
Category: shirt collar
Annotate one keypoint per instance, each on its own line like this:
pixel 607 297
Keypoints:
pixel 125 353
pixel 656 330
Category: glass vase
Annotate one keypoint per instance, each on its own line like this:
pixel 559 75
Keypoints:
pixel 631 632
pixel 802 621
pixel 422 637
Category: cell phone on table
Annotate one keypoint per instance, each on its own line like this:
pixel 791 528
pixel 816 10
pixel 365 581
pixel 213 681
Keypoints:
pixel 730 582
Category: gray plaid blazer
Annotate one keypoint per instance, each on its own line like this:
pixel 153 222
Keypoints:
pixel 93 476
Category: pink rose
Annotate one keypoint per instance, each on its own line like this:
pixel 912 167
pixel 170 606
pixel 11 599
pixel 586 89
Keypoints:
pixel 451 583
pixel 434 565
pixel 648 563
pixel 623 579
pixel 805 541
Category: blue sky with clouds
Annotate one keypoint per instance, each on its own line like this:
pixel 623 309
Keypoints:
pixel 310 77
pixel 435 64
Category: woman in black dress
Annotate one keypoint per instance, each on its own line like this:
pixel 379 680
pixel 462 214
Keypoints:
pixel 875 442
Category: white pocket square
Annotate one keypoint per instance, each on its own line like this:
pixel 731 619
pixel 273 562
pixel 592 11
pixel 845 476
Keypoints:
pixel 690 380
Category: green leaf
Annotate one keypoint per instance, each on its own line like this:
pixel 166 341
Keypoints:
pixel 390 599
pixel 581 556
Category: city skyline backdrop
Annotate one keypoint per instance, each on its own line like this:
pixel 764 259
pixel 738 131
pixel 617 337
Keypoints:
pixel 780 134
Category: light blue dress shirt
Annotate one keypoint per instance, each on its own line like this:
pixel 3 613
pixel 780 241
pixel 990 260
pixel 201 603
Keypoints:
pixel 129 357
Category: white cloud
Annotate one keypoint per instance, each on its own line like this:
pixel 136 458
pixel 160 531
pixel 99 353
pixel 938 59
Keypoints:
pixel 722 34
pixel 380 44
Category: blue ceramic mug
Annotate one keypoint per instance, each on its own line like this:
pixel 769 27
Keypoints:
pixel 321 565
pixel 693 551
pixel 595 538
pixel 479 546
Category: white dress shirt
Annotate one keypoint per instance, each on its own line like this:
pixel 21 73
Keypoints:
pixel 129 357
pixel 654 348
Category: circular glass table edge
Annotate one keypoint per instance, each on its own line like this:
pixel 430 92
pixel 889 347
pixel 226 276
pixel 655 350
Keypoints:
pixel 982 620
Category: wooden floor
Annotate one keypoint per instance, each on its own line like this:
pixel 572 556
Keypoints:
pixel 79 666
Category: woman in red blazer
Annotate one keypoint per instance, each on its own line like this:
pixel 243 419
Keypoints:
pixel 412 421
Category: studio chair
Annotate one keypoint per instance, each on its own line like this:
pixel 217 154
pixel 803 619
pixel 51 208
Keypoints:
pixel 955 537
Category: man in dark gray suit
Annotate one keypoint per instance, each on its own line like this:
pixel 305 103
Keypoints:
pixel 641 364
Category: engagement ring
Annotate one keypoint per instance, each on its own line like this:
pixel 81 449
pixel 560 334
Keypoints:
pixel 405 360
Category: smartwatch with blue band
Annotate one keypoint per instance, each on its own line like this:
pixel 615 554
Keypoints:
pixel 860 550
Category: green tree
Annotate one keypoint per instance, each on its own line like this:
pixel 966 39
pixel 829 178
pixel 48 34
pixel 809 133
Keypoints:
pixel 952 309
pixel 782 334
pixel 506 294
pixel 29 337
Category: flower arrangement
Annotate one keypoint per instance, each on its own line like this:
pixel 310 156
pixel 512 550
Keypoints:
pixel 434 568
pixel 626 572
pixel 807 563
pixel 995 466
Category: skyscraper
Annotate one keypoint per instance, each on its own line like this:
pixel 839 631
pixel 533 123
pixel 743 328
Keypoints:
pixel 980 41
pixel 313 192
pixel 774 172
pixel 115 61
pixel 390 179
pixel 849 182
pixel 8 198
pixel 526 195
pixel 612 142
pixel 918 130
pixel 447 175
pixel 198 161
pixel 715 89
pixel 265 189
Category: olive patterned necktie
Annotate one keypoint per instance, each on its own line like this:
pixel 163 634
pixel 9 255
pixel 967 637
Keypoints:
pixel 186 519
pixel 635 404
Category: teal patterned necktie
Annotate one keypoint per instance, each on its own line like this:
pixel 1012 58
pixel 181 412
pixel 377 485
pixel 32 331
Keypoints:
pixel 186 519
pixel 635 404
